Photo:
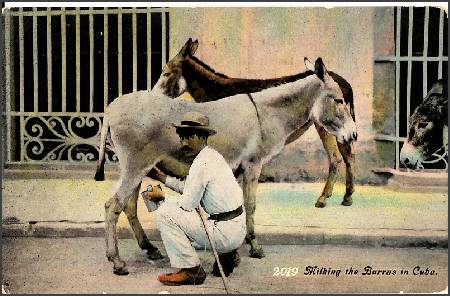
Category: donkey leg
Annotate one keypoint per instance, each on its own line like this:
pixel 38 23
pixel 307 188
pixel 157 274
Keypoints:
pixel 113 208
pixel 330 144
pixel 144 243
pixel 128 187
pixel 349 159
pixel 250 184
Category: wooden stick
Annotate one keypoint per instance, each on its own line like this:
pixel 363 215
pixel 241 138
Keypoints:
pixel 209 235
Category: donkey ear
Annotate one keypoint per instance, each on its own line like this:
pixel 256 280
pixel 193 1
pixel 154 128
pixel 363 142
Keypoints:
pixel 308 64
pixel 194 47
pixel 319 69
pixel 437 88
pixel 185 50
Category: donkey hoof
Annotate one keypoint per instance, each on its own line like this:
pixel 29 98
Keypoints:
pixel 257 253
pixel 121 271
pixel 120 268
pixel 154 255
pixel 320 204
pixel 347 202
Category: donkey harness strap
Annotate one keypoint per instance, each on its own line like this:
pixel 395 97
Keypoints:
pixel 257 113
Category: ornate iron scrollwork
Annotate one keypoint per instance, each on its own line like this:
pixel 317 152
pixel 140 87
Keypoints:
pixel 437 159
pixel 63 138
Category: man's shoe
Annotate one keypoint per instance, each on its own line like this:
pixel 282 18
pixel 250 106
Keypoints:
pixel 228 261
pixel 186 276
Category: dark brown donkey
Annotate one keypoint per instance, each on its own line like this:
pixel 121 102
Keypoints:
pixel 204 84
pixel 426 127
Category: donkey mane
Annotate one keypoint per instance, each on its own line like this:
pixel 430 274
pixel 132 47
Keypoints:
pixel 205 69
pixel 347 91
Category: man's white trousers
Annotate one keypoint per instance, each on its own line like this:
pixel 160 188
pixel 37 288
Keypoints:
pixel 182 232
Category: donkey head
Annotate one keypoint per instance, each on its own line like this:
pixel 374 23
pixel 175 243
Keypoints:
pixel 426 127
pixel 330 110
pixel 171 82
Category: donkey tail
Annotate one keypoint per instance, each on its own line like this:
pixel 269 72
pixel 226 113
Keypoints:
pixel 100 173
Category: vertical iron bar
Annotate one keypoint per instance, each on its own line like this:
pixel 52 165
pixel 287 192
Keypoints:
pixel 134 32
pixel 63 59
pixel 49 60
pixel 441 41
pixel 149 48
pixel 397 89
pixel 8 83
pixel 163 39
pixel 77 58
pixel 21 62
pixel 408 79
pixel 35 64
pixel 425 51
pixel 91 60
pixel 105 61
pixel 119 50
pixel 21 82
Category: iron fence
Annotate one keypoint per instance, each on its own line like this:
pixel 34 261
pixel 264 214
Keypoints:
pixel 63 66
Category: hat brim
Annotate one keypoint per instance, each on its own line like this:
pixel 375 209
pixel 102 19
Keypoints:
pixel 209 130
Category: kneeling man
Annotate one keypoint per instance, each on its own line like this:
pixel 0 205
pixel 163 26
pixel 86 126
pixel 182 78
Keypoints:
pixel 211 184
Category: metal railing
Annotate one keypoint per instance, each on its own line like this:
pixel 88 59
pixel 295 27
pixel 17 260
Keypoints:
pixel 45 126
pixel 409 58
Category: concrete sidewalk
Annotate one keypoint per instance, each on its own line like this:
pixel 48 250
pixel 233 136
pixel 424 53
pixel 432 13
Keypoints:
pixel 285 213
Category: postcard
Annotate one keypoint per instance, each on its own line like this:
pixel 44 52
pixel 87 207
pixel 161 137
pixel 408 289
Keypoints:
pixel 243 147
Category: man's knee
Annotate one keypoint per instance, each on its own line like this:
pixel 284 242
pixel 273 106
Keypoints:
pixel 165 213
pixel 161 216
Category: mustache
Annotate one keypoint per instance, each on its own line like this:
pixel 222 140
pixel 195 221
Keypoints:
pixel 186 148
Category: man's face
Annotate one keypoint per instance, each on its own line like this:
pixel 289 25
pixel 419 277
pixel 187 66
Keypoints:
pixel 191 144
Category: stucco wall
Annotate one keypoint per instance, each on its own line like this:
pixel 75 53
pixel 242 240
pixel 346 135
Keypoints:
pixel 270 42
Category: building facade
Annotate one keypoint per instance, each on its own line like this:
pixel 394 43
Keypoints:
pixel 63 67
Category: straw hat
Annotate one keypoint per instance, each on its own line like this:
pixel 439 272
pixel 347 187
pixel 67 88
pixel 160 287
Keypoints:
pixel 195 120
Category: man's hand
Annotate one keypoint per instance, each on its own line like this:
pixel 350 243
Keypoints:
pixel 153 193
pixel 158 175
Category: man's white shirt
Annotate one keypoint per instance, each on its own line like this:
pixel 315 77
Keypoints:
pixel 210 181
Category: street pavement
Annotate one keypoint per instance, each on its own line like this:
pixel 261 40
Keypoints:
pixel 285 213
pixel 53 241
pixel 79 265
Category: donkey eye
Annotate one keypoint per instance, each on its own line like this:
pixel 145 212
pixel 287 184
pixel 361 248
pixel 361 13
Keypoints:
pixel 422 124
pixel 339 101
pixel 167 74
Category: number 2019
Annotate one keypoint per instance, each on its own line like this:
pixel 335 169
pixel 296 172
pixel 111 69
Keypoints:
pixel 285 271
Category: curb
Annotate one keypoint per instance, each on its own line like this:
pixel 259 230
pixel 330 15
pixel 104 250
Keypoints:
pixel 267 234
